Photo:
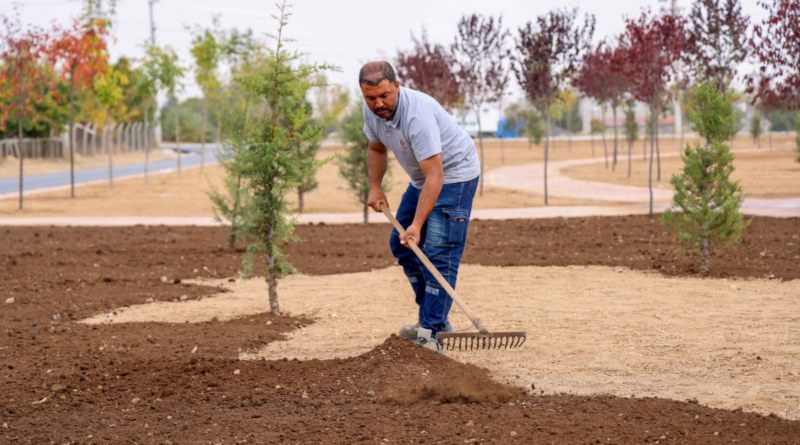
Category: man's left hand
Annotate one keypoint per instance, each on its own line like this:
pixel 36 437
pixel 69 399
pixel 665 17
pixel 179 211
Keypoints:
pixel 412 232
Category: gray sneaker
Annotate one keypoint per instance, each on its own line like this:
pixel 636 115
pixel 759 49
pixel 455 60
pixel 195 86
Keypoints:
pixel 426 340
pixel 409 331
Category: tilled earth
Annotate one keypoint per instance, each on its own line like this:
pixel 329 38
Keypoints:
pixel 64 382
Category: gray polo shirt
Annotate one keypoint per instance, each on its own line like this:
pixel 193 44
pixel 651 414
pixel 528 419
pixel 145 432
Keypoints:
pixel 421 128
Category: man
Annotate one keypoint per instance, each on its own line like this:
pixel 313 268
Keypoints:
pixel 442 163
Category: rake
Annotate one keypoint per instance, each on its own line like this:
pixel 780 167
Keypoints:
pixel 462 341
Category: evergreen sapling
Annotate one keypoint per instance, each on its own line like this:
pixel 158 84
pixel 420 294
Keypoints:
pixel 705 207
pixel 353 165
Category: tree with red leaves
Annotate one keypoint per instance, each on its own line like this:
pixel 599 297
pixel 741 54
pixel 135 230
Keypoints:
pixel 602 77
pixel 546 58
pixel 21 78
pixel 653 45
pixel 716 40
pixel 479 52
pixel 428 67
pixel 82 54
pixel 776 44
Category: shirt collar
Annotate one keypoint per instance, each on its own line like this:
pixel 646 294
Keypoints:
pixel 397 111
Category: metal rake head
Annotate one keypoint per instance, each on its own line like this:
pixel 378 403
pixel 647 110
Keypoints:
pixel 450 341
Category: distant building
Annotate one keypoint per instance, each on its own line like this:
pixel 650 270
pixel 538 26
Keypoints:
pixel 490 117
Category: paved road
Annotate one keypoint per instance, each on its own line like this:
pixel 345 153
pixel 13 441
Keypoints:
pixel 189 157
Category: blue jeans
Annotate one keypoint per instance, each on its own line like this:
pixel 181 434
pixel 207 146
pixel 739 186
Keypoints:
pixel 443 237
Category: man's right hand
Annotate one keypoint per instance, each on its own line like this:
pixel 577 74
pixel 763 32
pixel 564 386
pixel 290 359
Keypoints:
pixel 375 198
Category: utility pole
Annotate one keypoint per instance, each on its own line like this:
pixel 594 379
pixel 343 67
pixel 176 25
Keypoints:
pixel 156 138
pixel 152 23
pixel 677 125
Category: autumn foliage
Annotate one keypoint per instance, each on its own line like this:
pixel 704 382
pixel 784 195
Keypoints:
pixel 776 44
pixel 428 67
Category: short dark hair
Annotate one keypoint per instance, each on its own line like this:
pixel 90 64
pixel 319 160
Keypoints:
pixel 373 73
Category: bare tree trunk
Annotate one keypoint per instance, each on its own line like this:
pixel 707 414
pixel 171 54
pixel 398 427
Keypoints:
pixel 546 148
pixel 630 149
pixel 569 130
pixel 502 148
pixel 614 161
pixel 71 136
pixel 591 130
pixel 769 139
pixel 650 171
pixel 680 143
pixel 644 137
pixel 272 276
pixel 480 142
pixel 300 200
pixel 235 214
pixel 110 157
pixel 704 257
pixel 203 140
pixel 605 143
pixel 20 152
pixel 147 145
pixel 177 136
pixel 658 148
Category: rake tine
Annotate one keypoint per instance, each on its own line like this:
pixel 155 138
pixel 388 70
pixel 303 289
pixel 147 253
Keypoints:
pixel 480 341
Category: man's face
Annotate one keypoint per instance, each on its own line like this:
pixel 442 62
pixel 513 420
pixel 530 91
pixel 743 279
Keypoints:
pixel 382 98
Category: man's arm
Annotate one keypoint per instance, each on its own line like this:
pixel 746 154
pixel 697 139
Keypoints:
pixel 376 169
pixel 434 179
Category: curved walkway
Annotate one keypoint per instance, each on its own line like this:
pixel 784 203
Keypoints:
pixel 526 178
pixel 529 177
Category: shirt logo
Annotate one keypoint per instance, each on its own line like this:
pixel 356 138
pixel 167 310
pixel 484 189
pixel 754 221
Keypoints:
pixel 403 144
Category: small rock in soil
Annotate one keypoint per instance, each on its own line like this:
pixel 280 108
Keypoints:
pixel 10 300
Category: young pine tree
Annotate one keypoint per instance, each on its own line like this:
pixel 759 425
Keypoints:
pixel 353 163
pixel 231 206
pixel 705 207
pixel 279 121
pixel 308 152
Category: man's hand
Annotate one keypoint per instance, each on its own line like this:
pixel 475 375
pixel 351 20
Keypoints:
pixel 375 198
pixel 412 232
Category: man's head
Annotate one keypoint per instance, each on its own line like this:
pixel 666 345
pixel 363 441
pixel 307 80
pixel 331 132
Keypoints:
pixel 380 88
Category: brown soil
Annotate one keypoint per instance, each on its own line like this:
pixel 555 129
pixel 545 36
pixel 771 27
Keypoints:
pixel 65 382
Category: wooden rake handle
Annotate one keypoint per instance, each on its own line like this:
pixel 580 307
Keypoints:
pixel 432 269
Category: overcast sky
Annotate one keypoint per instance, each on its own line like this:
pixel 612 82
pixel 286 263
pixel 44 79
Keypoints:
pixel 345 33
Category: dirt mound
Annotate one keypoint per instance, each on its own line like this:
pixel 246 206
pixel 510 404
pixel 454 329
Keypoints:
pixel 405 373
